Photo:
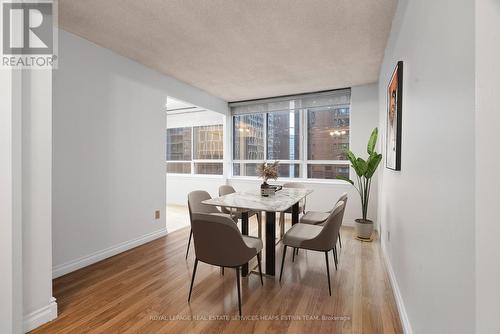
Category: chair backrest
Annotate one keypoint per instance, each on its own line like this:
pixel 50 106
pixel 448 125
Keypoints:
pixel 218 241
pixel 297 185
pixel 226 190
pixel 195 206
pixel 327 238
pixel 343 198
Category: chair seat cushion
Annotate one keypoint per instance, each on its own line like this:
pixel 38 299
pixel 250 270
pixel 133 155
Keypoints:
pixel 299 233
pixel 314 217
pixel 253 242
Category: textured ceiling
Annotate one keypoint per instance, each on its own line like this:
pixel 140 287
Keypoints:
pixel 242 49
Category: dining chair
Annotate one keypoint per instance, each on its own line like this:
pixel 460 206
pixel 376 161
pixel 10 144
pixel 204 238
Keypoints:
pixel 218 242
pixel 195 205
pixel 318 217
pixel 236 214
pixel 316 238
pixel 302 206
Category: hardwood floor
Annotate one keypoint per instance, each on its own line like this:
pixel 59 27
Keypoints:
pixel 145 290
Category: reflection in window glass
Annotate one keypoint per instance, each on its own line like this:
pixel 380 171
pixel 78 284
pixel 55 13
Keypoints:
pixel 208 142
pixel 248 135
pixel 208 168
pixel 327 133
pixel 283 135
pixel 179 167
pixel 327 171
pixel 179 144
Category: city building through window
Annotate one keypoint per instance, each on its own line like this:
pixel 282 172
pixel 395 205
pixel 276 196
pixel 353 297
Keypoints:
pixel 195 150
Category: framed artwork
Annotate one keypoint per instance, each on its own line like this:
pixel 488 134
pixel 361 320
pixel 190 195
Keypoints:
pixel 394 111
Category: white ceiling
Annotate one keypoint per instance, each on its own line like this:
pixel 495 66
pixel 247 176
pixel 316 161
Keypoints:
pixel 242 49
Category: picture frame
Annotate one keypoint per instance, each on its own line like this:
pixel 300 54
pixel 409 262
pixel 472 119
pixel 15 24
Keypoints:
pixel 394 119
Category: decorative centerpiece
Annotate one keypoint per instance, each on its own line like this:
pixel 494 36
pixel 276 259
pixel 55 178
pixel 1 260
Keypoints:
pixel 268 171
pixel 365 169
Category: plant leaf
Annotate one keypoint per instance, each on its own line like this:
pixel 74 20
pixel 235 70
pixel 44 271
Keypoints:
pixel 351 156
pixel 373 165
pixel 354 162
pixel 372 141
pixel 343 178
pixel 362 165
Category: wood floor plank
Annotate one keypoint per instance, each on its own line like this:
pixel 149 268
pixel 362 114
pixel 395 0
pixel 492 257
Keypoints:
pixel 144 290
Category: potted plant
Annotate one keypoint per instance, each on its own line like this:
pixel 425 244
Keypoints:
pixel 267 171
pixel 364 172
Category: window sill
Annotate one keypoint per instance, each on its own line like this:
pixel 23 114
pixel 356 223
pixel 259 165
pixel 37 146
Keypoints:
pixel 196 176
pixel 285 180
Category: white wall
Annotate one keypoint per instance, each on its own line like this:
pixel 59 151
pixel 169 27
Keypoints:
pixel 11 285
pixel 487 162
pixel 364 117
pixel 109 151
pixel 38 304
pixel 428 206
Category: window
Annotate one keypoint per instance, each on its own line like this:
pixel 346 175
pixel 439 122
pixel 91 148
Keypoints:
pixel 195 150
pixel 179 150
pixel 307 133
pixel 327 140
pixel 248 134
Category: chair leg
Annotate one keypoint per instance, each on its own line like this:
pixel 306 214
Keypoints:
pixel 189 242
pixel 293 254
pixel 260 268
pixel 328 273
pixel 238 286
pixel 282 262
pixel 335 260
pixel 222 270
pixel 340 241
pixel 192 278
pixel 259 220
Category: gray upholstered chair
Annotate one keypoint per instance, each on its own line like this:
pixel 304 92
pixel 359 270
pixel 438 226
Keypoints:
pixel 318 218
pixel 217 241
pixel 315 237
pixel 302 205
pixel 236 213
pixel 195 205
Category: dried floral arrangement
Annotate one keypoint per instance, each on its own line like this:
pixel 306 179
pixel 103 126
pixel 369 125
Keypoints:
pixel 268 170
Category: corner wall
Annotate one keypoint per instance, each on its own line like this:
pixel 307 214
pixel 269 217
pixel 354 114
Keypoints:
pixel 428 207
pixel 487 162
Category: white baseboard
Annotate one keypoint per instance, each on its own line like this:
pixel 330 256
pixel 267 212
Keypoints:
pixel 73 265
pixel 41 316
pixel 403 316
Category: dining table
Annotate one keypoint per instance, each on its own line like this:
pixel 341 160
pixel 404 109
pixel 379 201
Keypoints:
pixel 252 200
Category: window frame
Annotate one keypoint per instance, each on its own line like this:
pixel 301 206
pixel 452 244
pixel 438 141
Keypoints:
pixel 303 151
pixel 193 161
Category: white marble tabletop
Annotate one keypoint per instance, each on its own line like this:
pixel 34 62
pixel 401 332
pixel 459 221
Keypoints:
pixel 252 200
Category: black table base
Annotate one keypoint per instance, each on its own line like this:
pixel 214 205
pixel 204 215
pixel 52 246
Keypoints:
pixel 270 246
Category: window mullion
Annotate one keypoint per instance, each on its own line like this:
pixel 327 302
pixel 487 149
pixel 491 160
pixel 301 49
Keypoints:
pixel 305 130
